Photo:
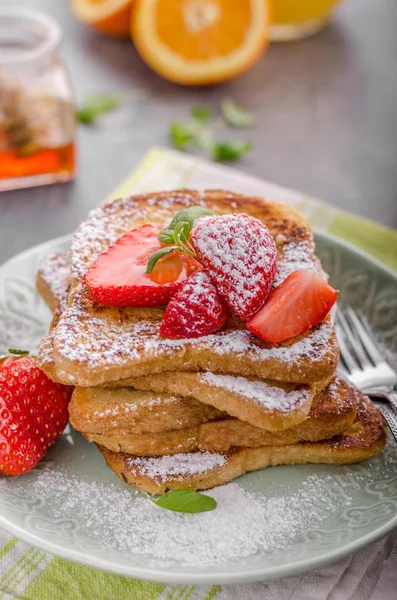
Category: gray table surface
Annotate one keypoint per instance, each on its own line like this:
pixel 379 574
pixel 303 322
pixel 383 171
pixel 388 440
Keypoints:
pixel 327 110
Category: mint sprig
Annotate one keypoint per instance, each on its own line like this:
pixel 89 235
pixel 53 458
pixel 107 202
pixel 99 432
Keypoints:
pixel 237 116
pixel 191 134
pixel 185 501
pixel 202 113
pixel 95 106
pixel 230 151
pixel 17 352
pixel 176 236
pixel 198 131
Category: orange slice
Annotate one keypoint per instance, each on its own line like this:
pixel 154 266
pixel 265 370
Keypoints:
pixel 108 16
pixel 198 42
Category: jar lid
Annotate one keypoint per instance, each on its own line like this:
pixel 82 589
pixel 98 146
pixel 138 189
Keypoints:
pixel 27 36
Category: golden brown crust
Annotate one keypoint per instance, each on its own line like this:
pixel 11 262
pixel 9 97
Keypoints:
pixel 366 439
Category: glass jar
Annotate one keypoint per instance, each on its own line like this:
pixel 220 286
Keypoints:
pixel 37 121
pixel 298 19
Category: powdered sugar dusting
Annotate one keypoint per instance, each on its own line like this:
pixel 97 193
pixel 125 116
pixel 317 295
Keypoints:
pixel 176 466
pixel 268 396
pixel 195 310
pixel 339 403
pixel 46 350
pixel 125 408
pixel 297 256
pixel 243 524
pixel 240 255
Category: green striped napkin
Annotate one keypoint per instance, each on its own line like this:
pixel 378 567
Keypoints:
pixel 28 573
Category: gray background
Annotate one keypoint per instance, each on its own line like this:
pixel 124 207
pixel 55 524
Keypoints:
pixel 327 111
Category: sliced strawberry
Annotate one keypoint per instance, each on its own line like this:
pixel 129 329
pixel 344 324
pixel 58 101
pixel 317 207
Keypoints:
pixel 172 266
pixel 301 301
pixel 118 276
pixel 196 309
pixel 33 414
pixel 239 254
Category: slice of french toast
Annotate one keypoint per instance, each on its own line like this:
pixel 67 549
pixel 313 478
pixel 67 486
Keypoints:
pixel 95 344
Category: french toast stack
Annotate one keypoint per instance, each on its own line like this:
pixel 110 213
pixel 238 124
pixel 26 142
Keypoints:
pixel 197 412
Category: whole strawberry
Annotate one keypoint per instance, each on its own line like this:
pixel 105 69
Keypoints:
pixel 239 254
pixel 33 413
pixel 196 309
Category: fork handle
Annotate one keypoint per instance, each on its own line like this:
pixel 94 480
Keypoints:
pixel 389 416
pixel 392 398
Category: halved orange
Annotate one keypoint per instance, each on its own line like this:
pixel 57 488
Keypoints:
pixel 198 42
pixel 108 16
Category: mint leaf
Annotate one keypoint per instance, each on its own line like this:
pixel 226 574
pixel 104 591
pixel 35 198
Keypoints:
pixel 85 115
pixel 189 215
pixel 166 236
pixel 18 352
pixel 157 255
pixel 230 151
pixel 193 133
pixel 186 501
pixel 96 106
pixel 202 113
pixel 181 135
pixel 236 115
pixel 182 230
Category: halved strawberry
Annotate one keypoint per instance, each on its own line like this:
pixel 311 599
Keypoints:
pixel 118 276
pixel 196 309
pixel 301 301
pixel 170 267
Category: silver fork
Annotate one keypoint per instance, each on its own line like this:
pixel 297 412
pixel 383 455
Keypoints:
pixel 364 364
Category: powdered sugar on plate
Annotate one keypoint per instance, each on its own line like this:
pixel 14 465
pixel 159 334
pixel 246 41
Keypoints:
pixel 244 523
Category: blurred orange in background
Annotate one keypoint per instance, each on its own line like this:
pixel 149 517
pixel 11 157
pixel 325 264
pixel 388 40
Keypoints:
pixel 108 16
pixel 197 42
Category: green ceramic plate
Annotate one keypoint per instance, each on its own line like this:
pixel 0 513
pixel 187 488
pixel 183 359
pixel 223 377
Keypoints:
pixel 365 495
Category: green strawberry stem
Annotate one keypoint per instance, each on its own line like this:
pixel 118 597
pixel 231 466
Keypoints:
pixel 176 236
